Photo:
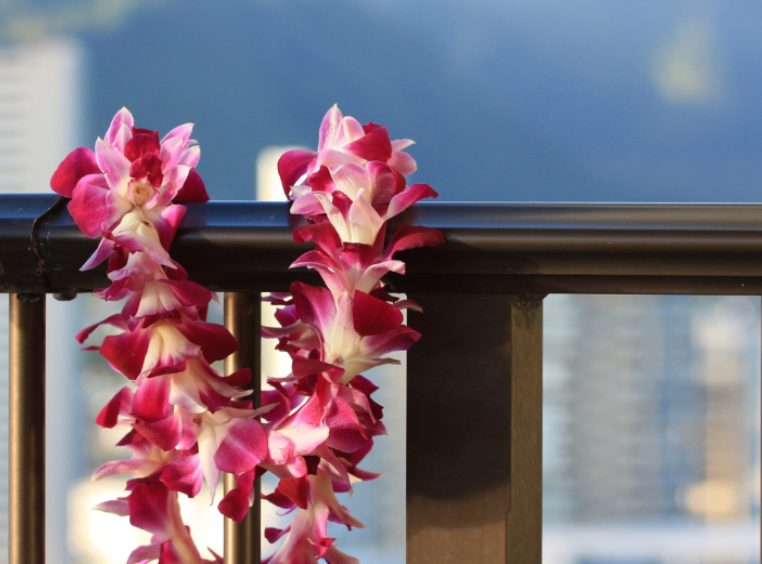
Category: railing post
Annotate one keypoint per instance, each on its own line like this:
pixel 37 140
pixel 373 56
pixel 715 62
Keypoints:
pixel 242 319
pixel 524 526
pixel 474 462
pixel 27 429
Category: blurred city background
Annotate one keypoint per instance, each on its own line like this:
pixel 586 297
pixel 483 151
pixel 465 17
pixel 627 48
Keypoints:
pixel 652 403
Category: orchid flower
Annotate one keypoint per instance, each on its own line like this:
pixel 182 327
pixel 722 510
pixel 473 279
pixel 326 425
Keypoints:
pixel 185 422
pixel 326 420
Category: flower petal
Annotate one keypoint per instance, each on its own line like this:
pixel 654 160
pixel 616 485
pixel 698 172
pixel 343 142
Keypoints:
pixel 193 190
pixel 126 351
pixel 120 403
pixel 372 316
pixel 408 197
pixel 120 130
pixel 292 165
pixel 244 446
pixel 80 162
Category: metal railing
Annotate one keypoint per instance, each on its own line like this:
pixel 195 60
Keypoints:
pixel 482 292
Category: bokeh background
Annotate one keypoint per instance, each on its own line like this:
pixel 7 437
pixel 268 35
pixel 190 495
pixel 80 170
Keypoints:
pixel 652 408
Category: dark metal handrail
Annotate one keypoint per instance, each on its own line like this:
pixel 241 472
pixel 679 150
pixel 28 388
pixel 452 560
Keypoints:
pixel 589 248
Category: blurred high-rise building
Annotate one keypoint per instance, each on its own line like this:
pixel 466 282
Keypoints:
pixel 41 101
pixel 652 427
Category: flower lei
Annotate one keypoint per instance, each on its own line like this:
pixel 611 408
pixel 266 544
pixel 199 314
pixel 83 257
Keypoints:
pixel 186 422
pixel 347 191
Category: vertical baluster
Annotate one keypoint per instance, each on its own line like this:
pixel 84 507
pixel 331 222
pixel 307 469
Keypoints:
pixel 242 318
pixel 474 430
pixel 524 526
pixel 27 429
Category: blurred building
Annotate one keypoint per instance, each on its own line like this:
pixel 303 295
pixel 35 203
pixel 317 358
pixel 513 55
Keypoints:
pixel 41 87
pixel 651 427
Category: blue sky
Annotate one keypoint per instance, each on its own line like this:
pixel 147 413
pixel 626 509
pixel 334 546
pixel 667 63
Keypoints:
pixel 508 100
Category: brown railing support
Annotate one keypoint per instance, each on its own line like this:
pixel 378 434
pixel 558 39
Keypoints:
pixel 242 318
pixel 474 460
pixel 524 522
pixel 474 430
pixel 27 429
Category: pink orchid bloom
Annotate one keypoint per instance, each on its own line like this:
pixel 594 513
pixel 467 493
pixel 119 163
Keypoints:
pixel 349 267
pixel 124 190
pixel 306 538
pixel 154 508
pixel 230 440
pixel 355 331
pixel 342 140
pixel 323 419
pixel 186 422
pixel 357 199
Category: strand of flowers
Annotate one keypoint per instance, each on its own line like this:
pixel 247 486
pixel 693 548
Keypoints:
pixel 321 418
pixel 185 421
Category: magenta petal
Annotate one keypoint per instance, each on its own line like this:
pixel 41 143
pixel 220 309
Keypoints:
pixel 180 134
pixel 190 293
pixel 307 205
pixel 151 399
pixel 235 505
pixel 292 165
pixel 329 125
pixel 92 206
pixel 310 414
pixel 171 216
pixel 164 433
pixel 169 555
pixel 243 448
pixel 240 378
pixel 145 553
pixel 302 367
pixel 408 197
pixel 126 352
pixel 273 535
pixel 400 339
pixel 314 305
pixel 347 433
pixel 374 145
pixel 149 506
pixel 193 190
pixel 116 320
pixel 120 130
pixel 372 316
pixel 400 160
pixel 216 342
pixel 321 180
pixel 143 142
pixel 322 234
pixel 237 501
pixel 80 162
pixel 297 490
pixel 104 250
pixel 409 237
pixel 112 162
pixel 120 403
pixel 183 475
pixel 116 506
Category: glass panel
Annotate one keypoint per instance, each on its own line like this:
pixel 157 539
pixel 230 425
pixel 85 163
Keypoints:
pixel 652 430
